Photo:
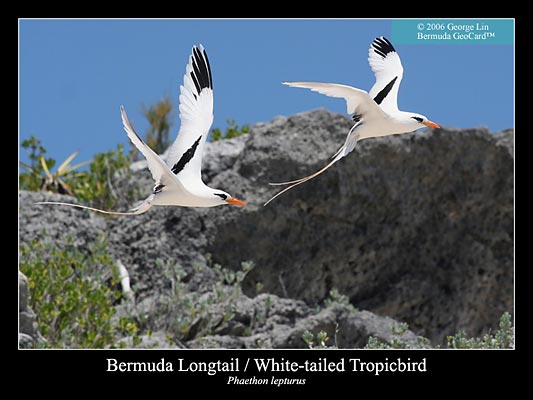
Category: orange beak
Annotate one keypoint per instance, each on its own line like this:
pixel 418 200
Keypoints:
pixel 234 201
pixel 431 124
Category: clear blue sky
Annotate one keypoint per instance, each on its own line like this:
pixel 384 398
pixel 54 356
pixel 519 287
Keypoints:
pixel 75 74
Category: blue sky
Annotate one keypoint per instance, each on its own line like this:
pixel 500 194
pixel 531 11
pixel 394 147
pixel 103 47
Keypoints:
pixel 75 74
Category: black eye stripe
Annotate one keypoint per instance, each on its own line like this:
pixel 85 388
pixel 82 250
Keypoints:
pixel 418 119
pixel 221 195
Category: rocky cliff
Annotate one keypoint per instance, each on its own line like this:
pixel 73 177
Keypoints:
pixel 415 227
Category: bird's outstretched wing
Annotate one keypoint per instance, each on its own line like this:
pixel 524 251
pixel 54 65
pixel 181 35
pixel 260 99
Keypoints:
pixel 388 70
pixel 358 101
pixel 160 172
pixel 196 113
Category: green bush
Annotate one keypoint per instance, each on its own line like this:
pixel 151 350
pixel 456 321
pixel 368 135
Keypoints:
pixel 232 131
pixel 320 342
pixel 503 338
pixel 69 295
pixel 95 187
pixel 38 175
pixel 187 314
pixel 32 179
pixel 92 187
pixel 335 297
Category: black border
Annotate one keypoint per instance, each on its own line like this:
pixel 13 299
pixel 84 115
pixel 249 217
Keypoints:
pixel 450 367
pixel 51 371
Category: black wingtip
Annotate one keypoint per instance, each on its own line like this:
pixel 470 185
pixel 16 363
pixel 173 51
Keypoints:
pixel 382 46
pixel 201 70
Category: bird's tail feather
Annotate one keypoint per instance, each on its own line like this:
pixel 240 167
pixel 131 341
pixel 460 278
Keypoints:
pixel 340 154
pixel 144 206
pixel 135 211
pixel 349 145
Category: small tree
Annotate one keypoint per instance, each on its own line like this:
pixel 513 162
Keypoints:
pixel 159 117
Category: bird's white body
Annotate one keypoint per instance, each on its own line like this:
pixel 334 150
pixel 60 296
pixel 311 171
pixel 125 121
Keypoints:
pixel 375 113
pixel 390 124
pixel 200 196
pixel 178 179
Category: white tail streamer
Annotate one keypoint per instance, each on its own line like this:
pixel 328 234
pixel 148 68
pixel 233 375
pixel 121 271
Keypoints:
pixel 305 179
pixel 136 212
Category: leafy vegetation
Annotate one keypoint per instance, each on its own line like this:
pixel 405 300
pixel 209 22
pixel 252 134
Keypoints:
pixel 396 343
pixel 503 338
pixel 76 296
pixel 187 314
pixel 32 179
pixel 93 186
pixel 233 130
pixel 72 294
pixel 399 328
pixel 38 175
pixel 318 342
pixel 335 297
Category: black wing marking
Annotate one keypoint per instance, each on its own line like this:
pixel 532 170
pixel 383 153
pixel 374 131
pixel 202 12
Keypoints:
pixel 201 71
pixel 382 46
pixel 385 91
pixel 186 157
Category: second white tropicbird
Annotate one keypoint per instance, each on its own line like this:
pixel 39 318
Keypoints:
pixel 375 113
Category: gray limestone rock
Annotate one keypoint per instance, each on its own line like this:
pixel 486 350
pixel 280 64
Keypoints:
pixel 29 335
pixel 416 227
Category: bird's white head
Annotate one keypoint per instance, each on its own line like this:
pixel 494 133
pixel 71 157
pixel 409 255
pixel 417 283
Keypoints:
pixel 419 121
pixel 220 197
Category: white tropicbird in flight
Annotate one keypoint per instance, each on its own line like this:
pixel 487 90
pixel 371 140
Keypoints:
pixel 375 113
pixel 178 182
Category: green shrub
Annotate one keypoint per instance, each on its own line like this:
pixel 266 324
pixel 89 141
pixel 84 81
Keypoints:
pixel 335 297
pixel 32 179
pixel 399 328
pixel 232 131
pixel 320 342
pixel 95 187
pixel 69 295
pixel 38 175
pixel 187 314
pixel 502 339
